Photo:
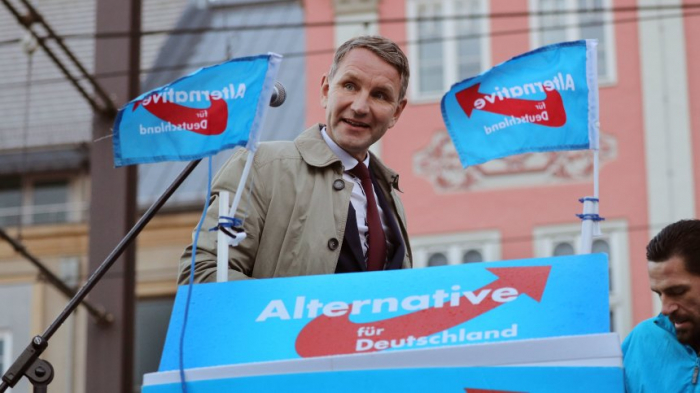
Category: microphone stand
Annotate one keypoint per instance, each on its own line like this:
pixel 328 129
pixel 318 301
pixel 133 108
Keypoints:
pixel 40 372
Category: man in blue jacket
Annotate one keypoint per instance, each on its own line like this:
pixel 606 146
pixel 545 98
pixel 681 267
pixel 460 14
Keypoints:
pixel 661 354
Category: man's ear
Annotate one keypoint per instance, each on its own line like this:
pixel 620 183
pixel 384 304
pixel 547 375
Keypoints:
pixel 324 90
pixel 398 111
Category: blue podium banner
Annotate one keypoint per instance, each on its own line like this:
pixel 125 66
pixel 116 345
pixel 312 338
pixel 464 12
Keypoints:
pixel 291 318
pixel 420 380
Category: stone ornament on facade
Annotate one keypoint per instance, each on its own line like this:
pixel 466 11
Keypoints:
pixel 439 163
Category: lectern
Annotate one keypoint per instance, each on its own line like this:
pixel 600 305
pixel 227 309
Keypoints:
pixel 531 325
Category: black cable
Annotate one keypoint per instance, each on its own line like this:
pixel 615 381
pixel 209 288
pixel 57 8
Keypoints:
pixel 311 25
pixel 49 81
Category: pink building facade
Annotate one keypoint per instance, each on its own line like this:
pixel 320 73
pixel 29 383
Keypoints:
pixel 524 206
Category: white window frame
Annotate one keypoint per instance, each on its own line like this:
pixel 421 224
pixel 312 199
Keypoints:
pixel 6 338
pixel 616 234
pixel 454 245
pixel 449 46
pixel 573 34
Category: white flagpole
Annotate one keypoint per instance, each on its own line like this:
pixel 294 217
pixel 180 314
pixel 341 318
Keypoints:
pixel 241 184
pixel 595 173
pixel 590 220
pixel 224 240
pixel 590 226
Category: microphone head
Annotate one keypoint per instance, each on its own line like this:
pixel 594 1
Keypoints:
pixel 278 95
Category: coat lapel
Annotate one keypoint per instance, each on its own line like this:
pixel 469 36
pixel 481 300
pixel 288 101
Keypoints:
pixel 352 237
pixel 394 261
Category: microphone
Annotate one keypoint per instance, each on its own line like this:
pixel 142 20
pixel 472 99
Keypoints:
pixel 278 95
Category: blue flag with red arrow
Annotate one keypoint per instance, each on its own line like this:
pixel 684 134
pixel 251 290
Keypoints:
pixel 212 109
pixel 543 100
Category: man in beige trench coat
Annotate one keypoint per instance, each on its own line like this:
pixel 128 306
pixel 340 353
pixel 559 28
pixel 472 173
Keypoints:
pixel 308 211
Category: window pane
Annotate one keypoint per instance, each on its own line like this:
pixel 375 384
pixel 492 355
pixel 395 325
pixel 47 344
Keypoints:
pixel 468 40
pixel 152 318
pixel 10 201
pixel 563 249
pixel 437 259
pixel 50 202
pixel 602 246
pixel 553 22
pixel 592 27
pixel 612 321
pixel 472 256
pixel 430 49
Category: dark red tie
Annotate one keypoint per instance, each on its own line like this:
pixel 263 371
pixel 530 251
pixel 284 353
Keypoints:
pixel 376 242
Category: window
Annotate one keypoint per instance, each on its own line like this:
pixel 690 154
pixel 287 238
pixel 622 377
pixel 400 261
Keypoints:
pixel 563 248
pixel 152 318
pixel 562 240
pixel 569 20
pixel 10 201
pixel 37 200
pixel 5 350
pixel 437 259
pixel 449 43
pixel 454 249
pixel 472 256
pixel 49 201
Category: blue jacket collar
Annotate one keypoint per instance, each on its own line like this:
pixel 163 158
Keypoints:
pixel 663 322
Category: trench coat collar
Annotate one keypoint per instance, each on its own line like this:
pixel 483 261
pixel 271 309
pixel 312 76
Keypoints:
pixel 315 152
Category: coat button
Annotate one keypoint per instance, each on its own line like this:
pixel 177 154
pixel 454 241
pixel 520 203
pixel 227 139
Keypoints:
pixel 338 184
pixel 333 244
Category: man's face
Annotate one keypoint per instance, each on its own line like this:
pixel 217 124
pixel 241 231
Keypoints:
pixel 679 291
pixel 361 101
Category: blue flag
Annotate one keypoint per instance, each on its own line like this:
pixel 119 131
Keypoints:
pixel 212 109
pixel 543 100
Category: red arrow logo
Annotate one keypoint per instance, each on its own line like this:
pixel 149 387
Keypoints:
pixel 325 335
pixel 468 390
pixel 551 109
pixel 206 121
